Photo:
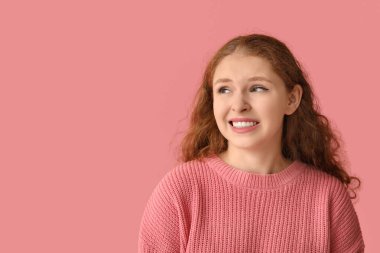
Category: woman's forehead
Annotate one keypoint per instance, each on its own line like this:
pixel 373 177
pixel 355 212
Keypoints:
pixel 242 63
pixel 253 78
pixel 238 67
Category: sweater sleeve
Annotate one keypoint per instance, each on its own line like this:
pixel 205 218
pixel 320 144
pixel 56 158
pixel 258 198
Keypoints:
pixel 346 235
pixel 159 227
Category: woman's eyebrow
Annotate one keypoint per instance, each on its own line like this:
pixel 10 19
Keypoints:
pixel 255 78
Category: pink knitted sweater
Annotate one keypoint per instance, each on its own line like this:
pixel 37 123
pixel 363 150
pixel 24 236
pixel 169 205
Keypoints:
pixel 209 206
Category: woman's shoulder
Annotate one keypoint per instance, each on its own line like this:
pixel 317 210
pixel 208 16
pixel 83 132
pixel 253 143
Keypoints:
pixel 184 174
pixel 323 181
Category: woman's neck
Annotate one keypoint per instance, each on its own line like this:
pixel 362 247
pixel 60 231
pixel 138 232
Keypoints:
pixel 268 164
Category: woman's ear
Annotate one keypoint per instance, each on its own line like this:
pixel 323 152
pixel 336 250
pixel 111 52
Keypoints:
pixel 294 99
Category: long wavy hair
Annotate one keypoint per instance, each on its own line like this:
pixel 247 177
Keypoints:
pixel 307 134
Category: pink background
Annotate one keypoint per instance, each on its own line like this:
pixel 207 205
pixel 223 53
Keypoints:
pixel 94 96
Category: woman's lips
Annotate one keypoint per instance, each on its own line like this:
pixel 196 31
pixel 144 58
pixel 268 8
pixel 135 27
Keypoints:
pixel 243 120
pixel 244 129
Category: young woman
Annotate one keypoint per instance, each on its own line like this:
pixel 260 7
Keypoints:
pixel 260 166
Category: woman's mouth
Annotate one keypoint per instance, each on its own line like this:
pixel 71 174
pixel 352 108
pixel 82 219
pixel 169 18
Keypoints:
pixel 243 127
pixel 242 124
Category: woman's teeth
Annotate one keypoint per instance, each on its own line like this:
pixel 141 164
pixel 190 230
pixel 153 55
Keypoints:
pixel 243 124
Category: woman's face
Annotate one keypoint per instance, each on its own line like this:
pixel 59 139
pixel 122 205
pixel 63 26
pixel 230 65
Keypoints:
pixel 247 87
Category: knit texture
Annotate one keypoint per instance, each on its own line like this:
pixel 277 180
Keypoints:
pixel 209 206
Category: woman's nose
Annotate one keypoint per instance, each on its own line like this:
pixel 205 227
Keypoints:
pixel 240 104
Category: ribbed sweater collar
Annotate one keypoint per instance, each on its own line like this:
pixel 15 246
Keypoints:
pixel 252 180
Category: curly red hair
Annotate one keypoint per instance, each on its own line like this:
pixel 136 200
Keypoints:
pixel 307 134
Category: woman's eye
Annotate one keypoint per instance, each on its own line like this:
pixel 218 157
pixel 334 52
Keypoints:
pixel 222 89
pixel 259 87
